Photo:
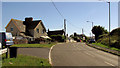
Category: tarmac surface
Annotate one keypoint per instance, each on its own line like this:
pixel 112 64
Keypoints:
pixel 38 52
pixel 79 55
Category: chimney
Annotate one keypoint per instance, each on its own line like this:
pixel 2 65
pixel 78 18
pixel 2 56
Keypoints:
pixel 28 19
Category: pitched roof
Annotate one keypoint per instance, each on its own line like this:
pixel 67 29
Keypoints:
pixel 21 27
pixel 33 24
pixel 56 32
pixel 18 24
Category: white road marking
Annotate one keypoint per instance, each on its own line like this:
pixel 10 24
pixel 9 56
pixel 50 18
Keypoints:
pixel 109 63
pixel 89 54
pixel 50 60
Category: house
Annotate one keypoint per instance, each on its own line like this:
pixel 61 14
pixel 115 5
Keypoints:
pixel 29 28
pixel 57 35
pixel 56 32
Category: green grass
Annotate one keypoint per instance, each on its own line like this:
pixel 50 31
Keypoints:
pixel 113 48
pixel 105 46
pixel 101 45
pixel 23 60
pixel 33 45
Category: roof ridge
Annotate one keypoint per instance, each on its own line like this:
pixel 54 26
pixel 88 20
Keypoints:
pixel 36 20
pixel 17 20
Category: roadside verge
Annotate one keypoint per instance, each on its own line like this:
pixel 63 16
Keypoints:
pixel 105 49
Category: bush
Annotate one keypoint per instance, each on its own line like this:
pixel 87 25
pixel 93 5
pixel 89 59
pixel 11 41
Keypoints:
pixel 115 32
pixel 114 38
pixel 20 41
pixel 59 38
pixel 103 36
pixel 116 44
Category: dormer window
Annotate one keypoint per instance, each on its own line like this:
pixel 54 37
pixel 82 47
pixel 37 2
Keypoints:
pixel 37 30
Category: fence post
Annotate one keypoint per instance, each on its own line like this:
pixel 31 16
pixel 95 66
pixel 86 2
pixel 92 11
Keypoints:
pixel 7 52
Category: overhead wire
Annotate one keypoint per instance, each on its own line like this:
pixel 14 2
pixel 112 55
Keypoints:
pixel 57 9
pixel 63 16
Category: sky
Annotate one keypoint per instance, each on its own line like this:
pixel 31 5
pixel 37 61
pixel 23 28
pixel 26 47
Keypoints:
pixel 75 13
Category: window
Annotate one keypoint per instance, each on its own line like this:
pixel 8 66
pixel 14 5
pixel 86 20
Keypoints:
pixel 42 31
pixel 11 29
pixel 38 30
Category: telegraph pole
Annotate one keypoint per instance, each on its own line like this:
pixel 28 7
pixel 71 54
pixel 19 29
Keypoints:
pixel 109 23
pixel 82 31
pixel 65 28
pixel 92 28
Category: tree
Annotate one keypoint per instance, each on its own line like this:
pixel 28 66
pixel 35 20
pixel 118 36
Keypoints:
pixel 98 30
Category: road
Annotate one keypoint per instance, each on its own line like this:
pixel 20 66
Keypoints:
pixel 81 55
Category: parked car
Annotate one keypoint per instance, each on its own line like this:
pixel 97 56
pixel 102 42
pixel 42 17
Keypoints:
pixel 6 39
pixel 92 41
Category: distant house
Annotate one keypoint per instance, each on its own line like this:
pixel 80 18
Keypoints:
pixel 57 35
pixel 28 28
pixel 55 32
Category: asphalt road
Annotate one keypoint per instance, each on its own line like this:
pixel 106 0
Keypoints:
pixel 81 55
pixel 38 52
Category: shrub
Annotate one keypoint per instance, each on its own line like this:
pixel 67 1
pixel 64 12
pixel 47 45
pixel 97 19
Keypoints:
pixel 20 41
pixel 59 38
pixel 114 39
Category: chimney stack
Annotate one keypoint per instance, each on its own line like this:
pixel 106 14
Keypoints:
pixel 28 19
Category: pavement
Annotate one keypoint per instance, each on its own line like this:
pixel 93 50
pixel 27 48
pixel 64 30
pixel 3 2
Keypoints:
pixel 38 52
pixel 81 55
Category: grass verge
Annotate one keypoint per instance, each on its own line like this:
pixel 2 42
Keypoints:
pixel 105 46
pixel 23 60
pixel 33 45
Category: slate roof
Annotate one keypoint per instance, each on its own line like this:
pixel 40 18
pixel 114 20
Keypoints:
pixel 33 24
pixel 19 24
pixel 56 32
pixel 22 27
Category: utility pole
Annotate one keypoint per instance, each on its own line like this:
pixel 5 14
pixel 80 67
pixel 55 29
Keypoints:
pixel 65 28
pixel 92 28
pixel 109 23
pixel 82 31
pixel 90 35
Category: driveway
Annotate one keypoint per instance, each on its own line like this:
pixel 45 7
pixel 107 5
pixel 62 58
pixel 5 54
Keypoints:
pixel 39 52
